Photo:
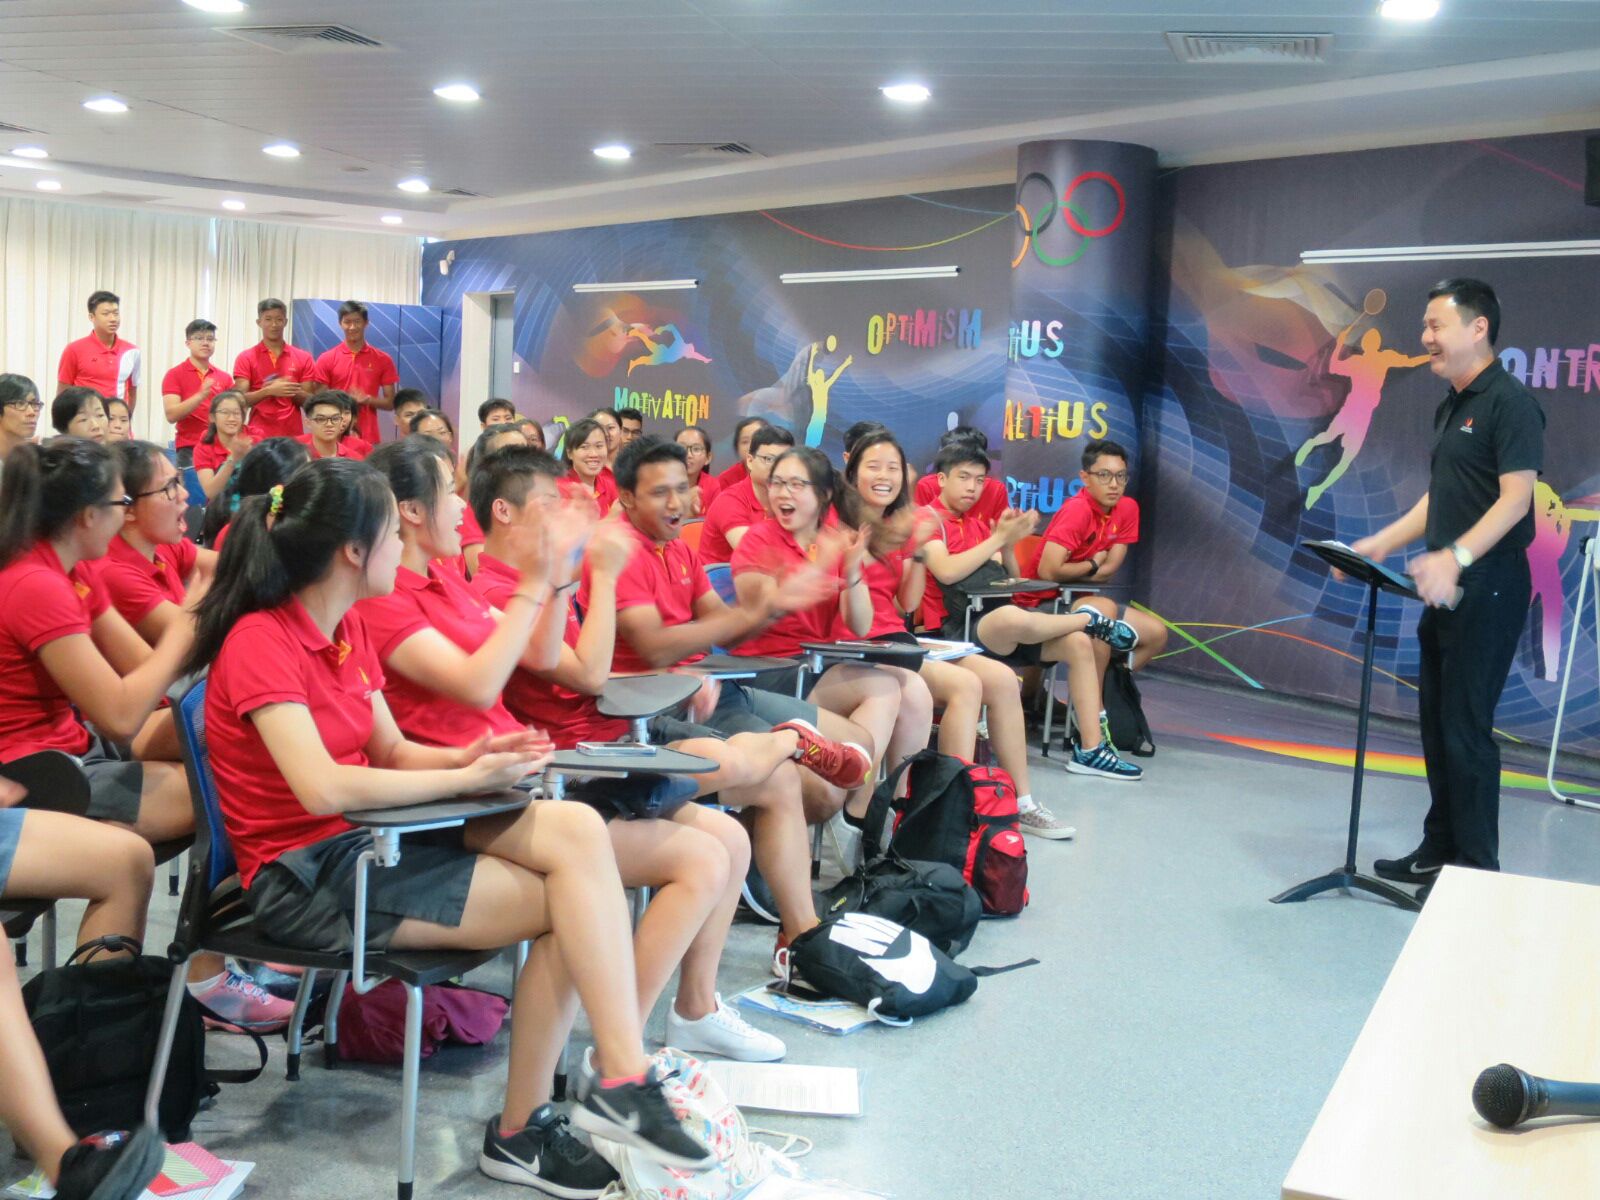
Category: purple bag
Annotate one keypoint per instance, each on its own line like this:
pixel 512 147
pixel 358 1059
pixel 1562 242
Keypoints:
pixel 372 1028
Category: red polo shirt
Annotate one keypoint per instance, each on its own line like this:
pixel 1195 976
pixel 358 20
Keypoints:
pixel 733 476
pixel 280 657
pixel 367 371
pixel 184 381
pixel 605 490
pixel 667 577
pixel 209 456
pixel 471 531
pixel 709 490
pixel 883 576
pixel 40 603
pixel 137 586
pixel 734 508
pixel 957 534
pixel 770 549
pixel 274 416
pixel 89 362
pixel 569 717
pixel 991 502
pixel 347 447
pixel 1084 529
pixel 439 600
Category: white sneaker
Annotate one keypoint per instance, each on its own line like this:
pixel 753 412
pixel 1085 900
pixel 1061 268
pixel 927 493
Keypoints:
pixel 1041 822
pixel 723 1032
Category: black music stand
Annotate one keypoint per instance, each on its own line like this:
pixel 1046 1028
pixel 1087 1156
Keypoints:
pixel 1378 578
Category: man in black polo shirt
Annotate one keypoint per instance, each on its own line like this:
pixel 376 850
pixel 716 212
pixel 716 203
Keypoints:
pixel 1476 519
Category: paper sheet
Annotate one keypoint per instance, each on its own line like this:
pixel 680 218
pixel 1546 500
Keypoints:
pixel 786 1087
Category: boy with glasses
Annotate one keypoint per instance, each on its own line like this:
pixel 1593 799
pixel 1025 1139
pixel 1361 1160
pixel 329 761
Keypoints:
pixel 744 504
pixel 187 389
pixel 19 412
pixel 326 415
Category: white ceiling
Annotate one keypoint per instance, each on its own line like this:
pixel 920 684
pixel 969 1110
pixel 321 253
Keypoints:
pixel 796 80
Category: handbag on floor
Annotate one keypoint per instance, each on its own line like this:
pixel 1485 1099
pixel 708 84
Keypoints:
pixel 891 971
pixel 929 897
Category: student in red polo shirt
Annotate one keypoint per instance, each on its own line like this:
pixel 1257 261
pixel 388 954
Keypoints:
pixel 224 444
pixel 187 389
pixel 756 768
pixel 365 373
pixel 301 734
pixel 744 504
pixel 992 502
pixel 269 463
pixel 1088 540
pixel 494 436
pixel 968 551
pixel 585 454
pixel 274 376
pixel 408 402
pixel 102 361
pixel 803 489
pixel 328 414
pixel 743 430
pixel 19 412
pixel 696 443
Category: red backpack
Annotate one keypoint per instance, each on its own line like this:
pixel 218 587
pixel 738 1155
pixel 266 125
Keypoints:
pixel 956 813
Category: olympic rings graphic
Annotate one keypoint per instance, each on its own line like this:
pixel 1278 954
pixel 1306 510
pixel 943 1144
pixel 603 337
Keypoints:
pixel 1070 213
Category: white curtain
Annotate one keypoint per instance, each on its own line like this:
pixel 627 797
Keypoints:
pixel 168 270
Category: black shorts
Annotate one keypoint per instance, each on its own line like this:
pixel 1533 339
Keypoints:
pixel 306 898
pixel 116 781
pixel 639 796
pixel 1024 656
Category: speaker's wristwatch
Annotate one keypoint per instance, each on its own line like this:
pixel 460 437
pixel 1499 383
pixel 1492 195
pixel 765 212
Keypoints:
pixel 1462 555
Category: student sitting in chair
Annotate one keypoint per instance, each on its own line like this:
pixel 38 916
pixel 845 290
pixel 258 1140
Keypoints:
pixel 296 711
pixel 755 773
pixel 968 553
pixel 746 503
pixel 269 463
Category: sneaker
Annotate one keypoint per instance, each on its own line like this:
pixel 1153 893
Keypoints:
pixel 724 1033
pixel 638 1115
pixel 1071 739
pixel 1413 868
pixel 235 1004
pixel 277 979
pixel 1041 822
pixel 843 764
pixel 545 1157
pixel 111 1166
pixel 1103 762
pixel 1119 635
pixel 780 956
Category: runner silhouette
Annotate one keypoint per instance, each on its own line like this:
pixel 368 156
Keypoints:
pixel 668 351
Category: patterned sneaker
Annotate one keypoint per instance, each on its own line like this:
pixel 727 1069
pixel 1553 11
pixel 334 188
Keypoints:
pixel 546 1157
pixel 725 1033
pixel 843 764
pixel 1041 822
pixel 111 1166
pixel 241 1005
pixel 638 1115
pixel 1119 635
pixel 1103 762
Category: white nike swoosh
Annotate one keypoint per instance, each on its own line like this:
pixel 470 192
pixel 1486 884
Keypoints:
pixel 914 970
pixel 631 1124
pixel 530 1167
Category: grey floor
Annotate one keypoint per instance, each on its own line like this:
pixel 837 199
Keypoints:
pixel 1176 1040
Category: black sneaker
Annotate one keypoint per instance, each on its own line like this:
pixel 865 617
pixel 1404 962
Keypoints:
pixel 111 1166
pixel 638 1115
pixel 544 1156
pixel 1413 868
pixel 1119 635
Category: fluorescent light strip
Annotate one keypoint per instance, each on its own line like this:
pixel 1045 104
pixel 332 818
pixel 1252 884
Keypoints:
pixel 877 275
pixel 643 285
pixel 1440 253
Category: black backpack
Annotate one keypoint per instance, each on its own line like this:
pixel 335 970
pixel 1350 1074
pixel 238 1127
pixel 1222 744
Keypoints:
pixel 930 898
pixel 98 1022
pixel 891 971
pixel 1130 732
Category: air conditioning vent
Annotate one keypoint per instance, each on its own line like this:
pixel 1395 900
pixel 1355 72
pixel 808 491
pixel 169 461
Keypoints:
pixel 1251 49
pixel 709 150
pixel 122 197
pixel 295 216
pixel 462 192
pixel 304 39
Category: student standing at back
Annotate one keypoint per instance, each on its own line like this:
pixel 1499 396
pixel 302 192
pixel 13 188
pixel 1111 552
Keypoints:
pixel 274 375
pixel 365 373
pixel 187 389
pixel 102 360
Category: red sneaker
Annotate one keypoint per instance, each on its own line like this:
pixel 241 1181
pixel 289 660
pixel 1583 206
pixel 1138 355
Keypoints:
pixel 843 764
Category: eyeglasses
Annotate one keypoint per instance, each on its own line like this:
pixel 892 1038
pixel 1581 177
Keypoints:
pixel 1109 476
pixel 795 486
pixel 766 460
pixel 695 451
pixel 120 502
pixel 332 419
pixel 32 406
pixel 204 337
pixel 172 489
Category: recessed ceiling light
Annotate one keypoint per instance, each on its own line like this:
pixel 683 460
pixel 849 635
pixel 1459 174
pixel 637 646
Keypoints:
pixel 1408 10
pixel 392 219
pixel 48 185
pixel 906 93
pixel 105 104
pixel 412 185
pixel 281 150
pixel 233 205
pixel 461 93
pixel 615 152
pixel 31 152
pixel 216 6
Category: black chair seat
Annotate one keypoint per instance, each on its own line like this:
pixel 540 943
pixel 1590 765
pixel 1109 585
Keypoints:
pixel 167 851
pixel 17 916
pixel 631 697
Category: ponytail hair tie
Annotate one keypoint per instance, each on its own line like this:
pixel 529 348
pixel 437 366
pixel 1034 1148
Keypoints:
pixel 275 506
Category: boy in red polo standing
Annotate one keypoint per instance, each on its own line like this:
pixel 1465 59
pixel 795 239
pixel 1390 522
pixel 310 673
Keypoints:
pixel 365 373
pixel 102 361
pixel 187 389
pixel 273 374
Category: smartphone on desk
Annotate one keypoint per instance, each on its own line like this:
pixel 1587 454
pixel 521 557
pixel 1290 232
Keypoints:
pixel 617 749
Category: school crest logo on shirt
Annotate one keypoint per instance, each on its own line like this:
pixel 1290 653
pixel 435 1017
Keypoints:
pixel 1467 426
pixel 343 651
pixel 82 589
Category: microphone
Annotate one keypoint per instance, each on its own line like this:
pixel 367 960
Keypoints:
pixel 1506 1096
